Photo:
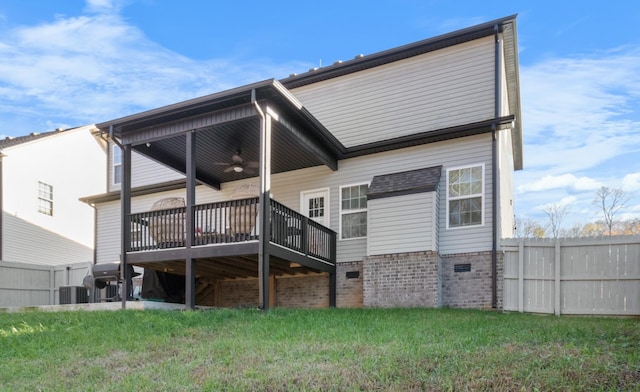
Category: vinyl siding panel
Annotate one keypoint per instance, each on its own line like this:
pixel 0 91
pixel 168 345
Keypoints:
pixel 25 242
pixel 470 238
pixel 71 162
pixel 144 171
pixel 108 232
pixel 287 187
pixel 506 212
pixel 401 224
pixel 436 90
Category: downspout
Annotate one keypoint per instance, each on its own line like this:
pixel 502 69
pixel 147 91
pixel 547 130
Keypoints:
pixel 113 138
pixel 125 210
pixel 263 253
pixel 95 210
pixel 106 140
pixel 494 167
pixel 95 234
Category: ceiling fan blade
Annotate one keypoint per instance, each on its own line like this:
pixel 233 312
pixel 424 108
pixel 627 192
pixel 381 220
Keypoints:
pixel 222 163
pixel 253 165
pixel 229 169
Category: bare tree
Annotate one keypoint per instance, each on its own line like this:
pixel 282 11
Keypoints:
pixel 556 213
pixel 573 232
pixel 528 228
pixel 610 201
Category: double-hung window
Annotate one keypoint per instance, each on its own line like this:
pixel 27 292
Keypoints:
pixel 45 198
pixel 353 211
pixel 116 165
pixel 465 196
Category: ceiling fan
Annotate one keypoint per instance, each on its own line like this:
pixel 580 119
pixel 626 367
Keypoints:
pixel 238 164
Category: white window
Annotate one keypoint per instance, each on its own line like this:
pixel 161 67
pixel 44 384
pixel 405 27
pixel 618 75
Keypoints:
pixel 116 164
pixel 353 211
pixel 465 196
pixel 45 198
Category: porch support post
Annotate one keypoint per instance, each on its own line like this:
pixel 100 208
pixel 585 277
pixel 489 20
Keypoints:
pixel 190 273
pixel 125 225
pixel 265 207
pixel 333 286
pixel 332 289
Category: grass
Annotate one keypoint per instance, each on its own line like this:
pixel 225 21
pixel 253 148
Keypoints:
pixel 316 350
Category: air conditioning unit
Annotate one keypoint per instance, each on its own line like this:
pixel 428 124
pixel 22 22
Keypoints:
pixel 73 295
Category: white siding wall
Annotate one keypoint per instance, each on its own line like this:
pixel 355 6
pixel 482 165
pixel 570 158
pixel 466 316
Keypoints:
pixel 72 162
pixel 435 90
pixel 506 212
pixel 144 171
pixel 472 238
pixel 108 232
pixel 402 224
pixel 286 188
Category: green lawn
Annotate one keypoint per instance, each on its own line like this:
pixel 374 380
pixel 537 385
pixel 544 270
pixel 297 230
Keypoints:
pixel 324 350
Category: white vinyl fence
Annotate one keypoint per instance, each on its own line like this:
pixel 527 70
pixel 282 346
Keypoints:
pixel 24 284
pixel 586 276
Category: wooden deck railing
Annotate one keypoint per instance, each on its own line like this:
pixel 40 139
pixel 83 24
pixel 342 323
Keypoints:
pixel 230 222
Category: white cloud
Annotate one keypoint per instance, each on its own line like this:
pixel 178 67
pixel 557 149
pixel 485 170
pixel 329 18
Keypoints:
pixel 580 116
pixel 579 112
pixel 103 6
pixel 631 182
pixel 565 181
pixel 95 67
pixel 564 202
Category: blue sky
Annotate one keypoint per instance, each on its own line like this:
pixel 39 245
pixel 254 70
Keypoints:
pixel 76 62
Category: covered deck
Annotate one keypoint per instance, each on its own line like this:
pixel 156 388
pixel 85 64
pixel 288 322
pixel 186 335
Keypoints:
pixel 226 239
pixel 249 132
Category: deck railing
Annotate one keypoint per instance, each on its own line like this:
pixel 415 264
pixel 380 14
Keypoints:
pixel 229 222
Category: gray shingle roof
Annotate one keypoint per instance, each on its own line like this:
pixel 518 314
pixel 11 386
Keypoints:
pixel 405 183
pixel 14 141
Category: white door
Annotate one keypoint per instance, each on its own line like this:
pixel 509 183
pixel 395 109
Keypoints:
pixel 315 205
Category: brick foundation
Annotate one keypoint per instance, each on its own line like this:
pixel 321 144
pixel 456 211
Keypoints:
pixel 349 278
pixel 235 293
pixel 401 280
pixel 469 289
pixel 296 291
pixel 306 291
pixel 420 279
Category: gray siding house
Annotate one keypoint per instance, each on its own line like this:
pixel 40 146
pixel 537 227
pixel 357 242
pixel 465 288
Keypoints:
pixel 385 180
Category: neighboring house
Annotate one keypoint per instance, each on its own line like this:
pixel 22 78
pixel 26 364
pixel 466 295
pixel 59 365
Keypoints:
pixel 389 179
pixel 43 177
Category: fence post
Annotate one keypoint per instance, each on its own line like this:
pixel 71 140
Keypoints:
pixel 52 286
pixel 557 278
pixel 521 275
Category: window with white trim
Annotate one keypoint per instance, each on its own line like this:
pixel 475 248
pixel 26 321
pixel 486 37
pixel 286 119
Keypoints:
pixel 465 196
pixel 116 164
pixel 353 211
pixel 45 198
